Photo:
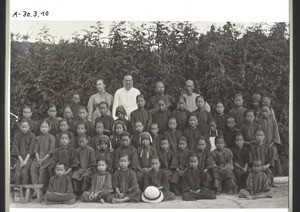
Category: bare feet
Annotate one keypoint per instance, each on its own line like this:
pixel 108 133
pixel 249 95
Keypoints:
pixel 113 201
pixel 101 201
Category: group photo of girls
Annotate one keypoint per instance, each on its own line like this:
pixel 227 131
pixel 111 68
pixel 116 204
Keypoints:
pixel 126 121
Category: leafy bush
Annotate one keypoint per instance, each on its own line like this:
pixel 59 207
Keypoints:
pixel 221 62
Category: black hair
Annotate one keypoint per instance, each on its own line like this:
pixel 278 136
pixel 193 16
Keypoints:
pixel 60 164
pixel 231 117
pixel 201 138
pixel 124 155
pixel 219 137
pixel 181 97
pixel 140 96
pixel 82 108
pixel 155 157
pixel 24 121
pixel 239 133
pixel 138 121
pixel 199 97
pixel 103 103
pixel 81 123
pixel 65 133
pixel 154 123
pixel 161 99
pixel 248 111
pixel 125 133
pixel 99 121
pixel 219 102
pixel 193 155
pixel 101 159
pixel 63 120
pixel 46 121
pixel 68 106
pixel 183 138
pixel 259 129
pixel 212 120
pixel 172 117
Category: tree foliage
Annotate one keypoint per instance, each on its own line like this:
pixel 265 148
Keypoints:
pixel 221 62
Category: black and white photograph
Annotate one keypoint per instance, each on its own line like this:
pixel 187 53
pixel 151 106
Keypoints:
pixel 175 113
pixel 162 105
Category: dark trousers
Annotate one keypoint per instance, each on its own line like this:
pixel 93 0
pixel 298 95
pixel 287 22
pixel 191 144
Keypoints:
pixel 223 177
pixel 22 174
pixel 82 185
pixel 101 195
pixel 51 197
pixel 40 176
pixel 133 195
pixel 241 177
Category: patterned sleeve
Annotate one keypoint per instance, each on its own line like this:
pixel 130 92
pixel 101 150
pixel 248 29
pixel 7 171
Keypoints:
pixel 174 162
pixel 72 138
pixel 115 183
pixel 69 186
pixel 229 158
pixel 53 160
pixel 15 146
pixel 32 144
pixel 148 127
pixel 74 161
pixel 133 184
pixel 115 159
pixel 164 181
pixel 209 161
pixel 265 183
pixel 208 117
pixel 36 146
pixel 94 181
pixel 146 179
pixel 108 182
pixel 93 162
pixel 51 144
pixel 184 186
pixel 249 184
pixel 50 186
pixel 134 161
pixel 247 152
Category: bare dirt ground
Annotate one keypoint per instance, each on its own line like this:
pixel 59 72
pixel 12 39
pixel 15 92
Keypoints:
pixel 279 200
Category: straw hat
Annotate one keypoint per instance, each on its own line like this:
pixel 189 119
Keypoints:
pixel 152 195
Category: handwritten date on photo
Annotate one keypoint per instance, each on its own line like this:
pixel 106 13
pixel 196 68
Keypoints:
pixel 31 14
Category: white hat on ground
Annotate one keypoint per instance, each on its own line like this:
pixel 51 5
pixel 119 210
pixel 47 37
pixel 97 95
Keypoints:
pixel 152 195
